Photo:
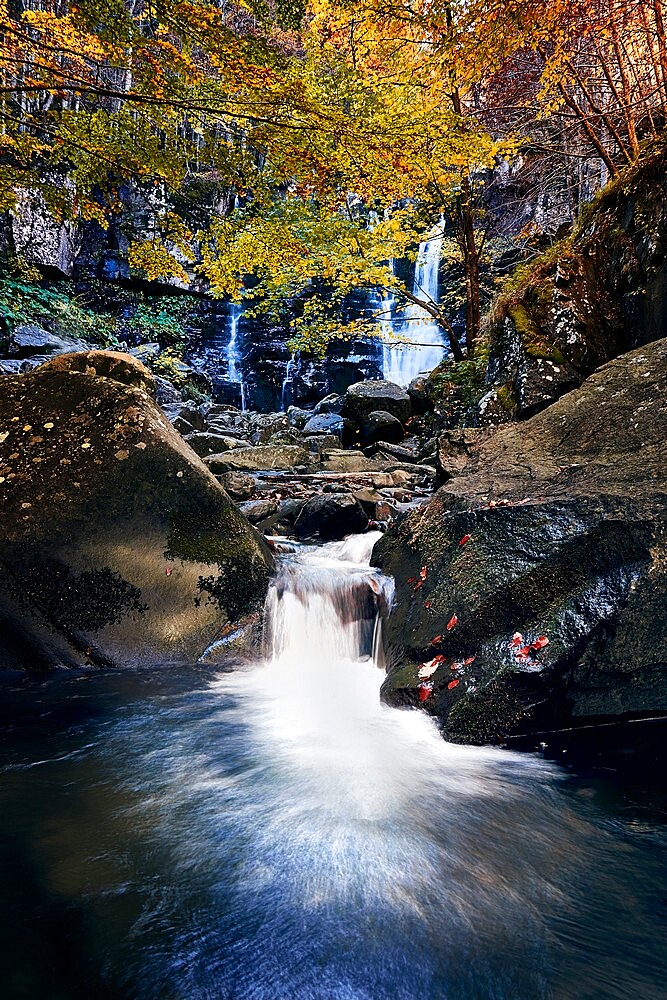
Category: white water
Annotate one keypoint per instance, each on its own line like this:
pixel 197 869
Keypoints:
pixel 413 341
pixel 288 378
pixel 276 833
pixel 232 352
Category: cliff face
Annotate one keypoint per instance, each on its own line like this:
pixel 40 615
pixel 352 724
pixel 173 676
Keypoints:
pixel 595 295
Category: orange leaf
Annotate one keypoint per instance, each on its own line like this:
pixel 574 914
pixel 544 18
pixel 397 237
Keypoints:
pixel 452 622
pixel 453 684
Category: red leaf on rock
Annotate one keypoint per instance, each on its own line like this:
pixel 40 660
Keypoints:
pixel 470 659
pixel 419 585
pixel 453 684
pixel 540 642
pixel 452 622
pixel 167 571
pixel 466 538
pixel 427 604
pixel 412 579
pixel 425 691
pixel 423 573
pixel 435 641
pixel 516 640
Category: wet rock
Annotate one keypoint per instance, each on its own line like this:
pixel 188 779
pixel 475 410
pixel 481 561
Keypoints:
pixel 324 423
pixel 363 398
pixel 380 425
pixel 117 546
pixel 322 443
pixel 261 458
pixel 333 403
pixel 298 417
pixel 239 485
pixel 330 516
pixel 418 391
pixel 553 529
pixel 259 510
pixel 264 425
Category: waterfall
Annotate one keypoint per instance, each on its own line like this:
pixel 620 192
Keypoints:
pixel 294 360
pixel 232 352
pixel 417 339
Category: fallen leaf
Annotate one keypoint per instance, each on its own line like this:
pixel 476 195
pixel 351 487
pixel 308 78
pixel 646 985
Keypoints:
pixel 423 573
pixel 452 622
pixel 427 604
pixel 453 684
pixel 516 640
pixel 464 540
pixel 469 660
pixel 425 691
pixel 167 571
pixel 412 579
pixel 435 641
pixel 540 642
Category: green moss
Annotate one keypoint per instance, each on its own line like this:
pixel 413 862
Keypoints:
pixel 505 397
pixel 533 340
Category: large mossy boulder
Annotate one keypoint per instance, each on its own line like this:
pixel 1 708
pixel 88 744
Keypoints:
pixel 117 545
pixel 531 591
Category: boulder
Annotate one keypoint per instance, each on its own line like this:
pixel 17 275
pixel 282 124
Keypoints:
pixel 117 545
pixel 333 403
pixel 260 459
pixel 239 485
pixel 28 339
pixel 324 423
pixel 298 417
pixel 381 425
pixel 205 443
pixel 165 391
pixel 259 510
pixel 330 516
pixel 363 398
pixel 534 583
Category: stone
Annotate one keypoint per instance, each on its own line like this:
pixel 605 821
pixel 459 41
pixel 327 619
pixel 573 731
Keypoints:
pixel 117 546
pixel 260 459
pixel 239 485
pixel 259 510
pixel 380 425
pixel 204 443
pixel 298 417
pixel 553 529
pixel 324 423
pixel 333 403
pixel 29 339
pixel 166 391
pixel 330 516
pixel 363 398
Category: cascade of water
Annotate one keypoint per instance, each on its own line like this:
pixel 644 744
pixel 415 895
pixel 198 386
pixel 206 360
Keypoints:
pixel 289 377
pixel 232 353
pixel 417 345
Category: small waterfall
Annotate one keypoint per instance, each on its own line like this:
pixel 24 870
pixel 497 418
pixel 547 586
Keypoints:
pixel 289 377
pixel 232 352
pixel 417 339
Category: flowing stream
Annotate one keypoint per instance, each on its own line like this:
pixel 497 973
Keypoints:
pixel 276 833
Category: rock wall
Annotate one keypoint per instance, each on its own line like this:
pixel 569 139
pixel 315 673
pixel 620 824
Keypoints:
pixel 597 294
pixel 531 590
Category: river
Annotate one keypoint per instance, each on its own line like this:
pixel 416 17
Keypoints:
pixel 275 833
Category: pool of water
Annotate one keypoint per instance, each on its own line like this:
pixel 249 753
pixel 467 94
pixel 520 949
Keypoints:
pixel 275 832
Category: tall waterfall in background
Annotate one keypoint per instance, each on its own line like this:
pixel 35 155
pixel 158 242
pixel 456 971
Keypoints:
pixel 232 352
pixel 413 340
